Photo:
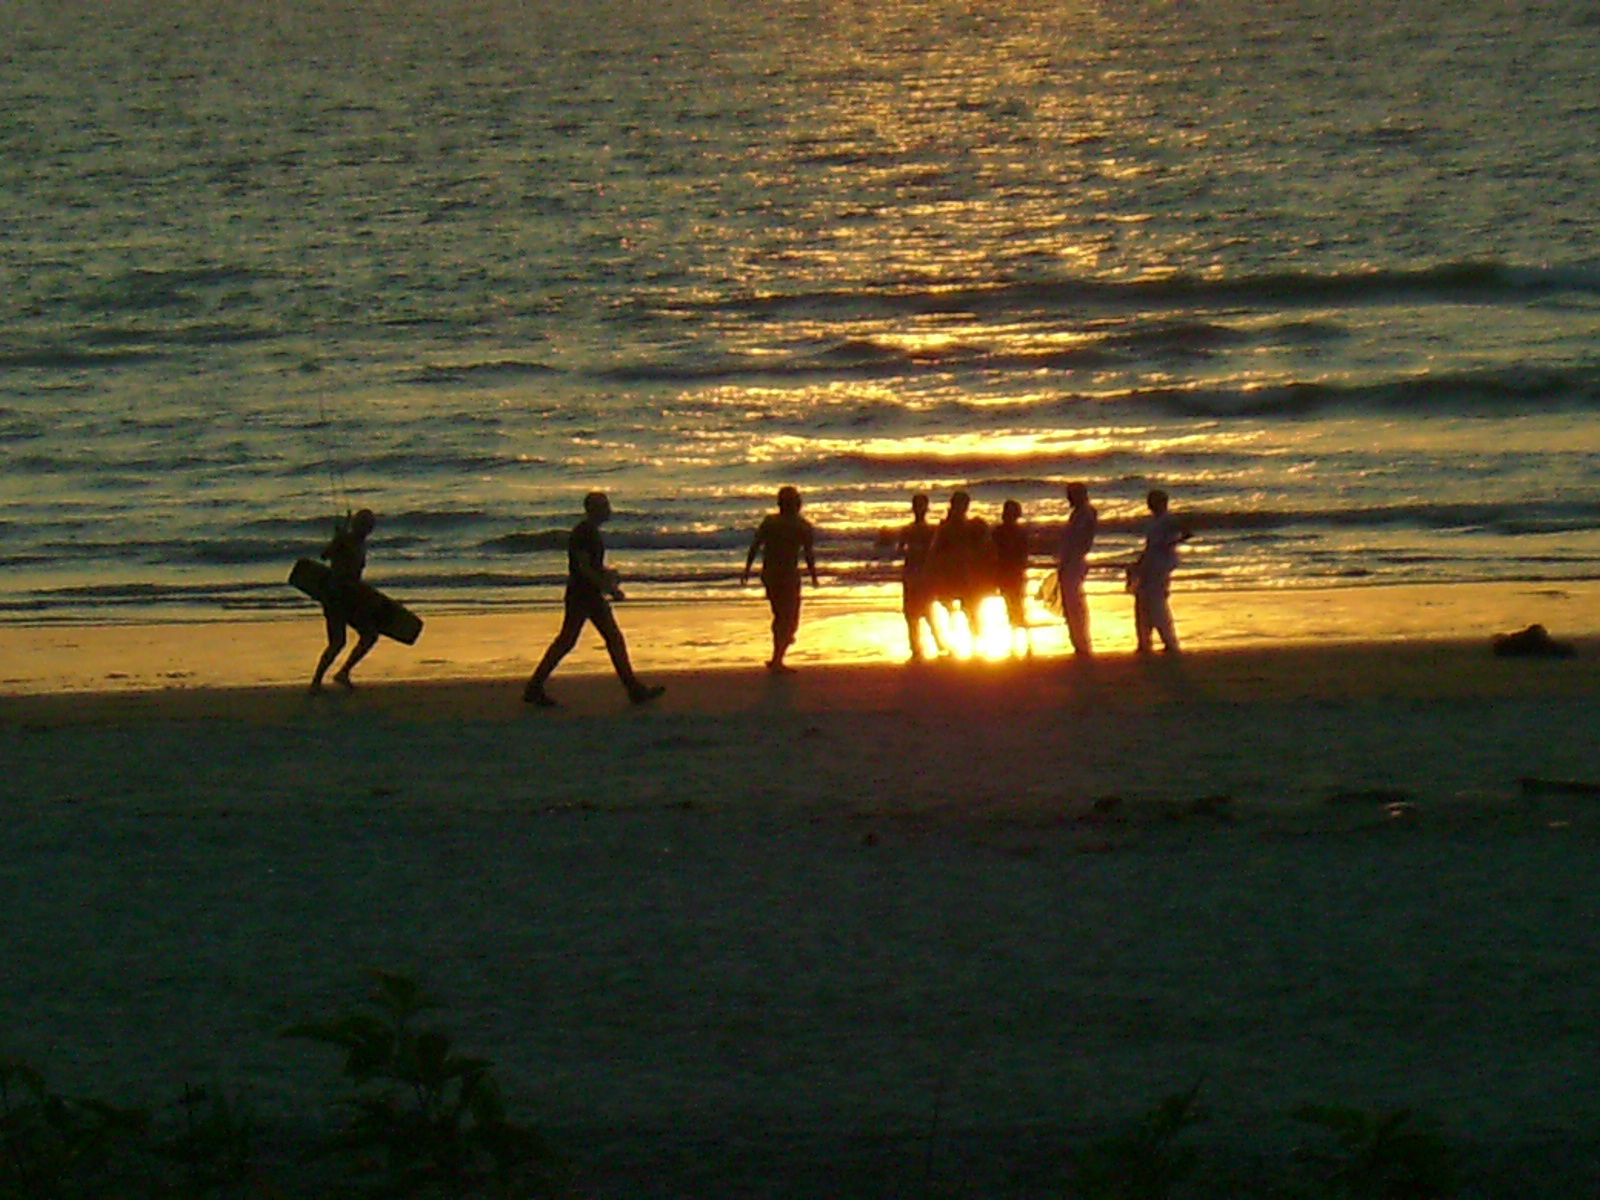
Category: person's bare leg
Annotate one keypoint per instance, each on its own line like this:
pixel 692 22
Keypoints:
pixel 1075 607
pixel 363 645
pixel 617 647
pixel 331 652
pixel 566 638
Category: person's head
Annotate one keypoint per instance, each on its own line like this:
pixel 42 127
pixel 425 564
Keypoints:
pixel 1077 494
pixel 597 507
pixel 1157 500
pixel 789 500
pixel 1011 512
pixel 959 503
pixel 363 523
pixel 919 505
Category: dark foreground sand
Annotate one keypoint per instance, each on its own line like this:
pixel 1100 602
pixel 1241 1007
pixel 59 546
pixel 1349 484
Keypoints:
pixel 862 932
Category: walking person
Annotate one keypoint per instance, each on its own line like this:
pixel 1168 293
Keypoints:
pixel 590 589
pixel 781 539
pixel 346 601
pixel 1150 578
pixel 1072 566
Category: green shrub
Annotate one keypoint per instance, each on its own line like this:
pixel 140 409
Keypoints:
pixel 1379 1156
pixel 53 1147
pixel 423 1119
pixel 1146 1162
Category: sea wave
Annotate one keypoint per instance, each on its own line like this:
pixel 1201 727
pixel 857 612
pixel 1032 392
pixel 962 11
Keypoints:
pixel 494 371
pixel 146 288
pixel 548 540
pixel 1086 372
pixel 1459 282
pixel 457 539
pixel 72 357
pixel 1501 390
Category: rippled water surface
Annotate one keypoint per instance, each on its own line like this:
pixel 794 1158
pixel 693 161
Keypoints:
pixel 1329 276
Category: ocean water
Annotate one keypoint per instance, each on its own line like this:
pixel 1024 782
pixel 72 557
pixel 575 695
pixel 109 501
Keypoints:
pixel 1328 272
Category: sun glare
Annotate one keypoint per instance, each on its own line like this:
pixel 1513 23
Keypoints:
pixel 996 640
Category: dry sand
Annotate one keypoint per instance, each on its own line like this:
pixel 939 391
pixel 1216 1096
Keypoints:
pixel 865 931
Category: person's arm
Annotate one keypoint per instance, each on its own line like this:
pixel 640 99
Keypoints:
pixel 1075 540
pixel 755 548
pixel 811 559
pixel 341 530
pixel 581 565
pixel 607 583
pixel 1176 534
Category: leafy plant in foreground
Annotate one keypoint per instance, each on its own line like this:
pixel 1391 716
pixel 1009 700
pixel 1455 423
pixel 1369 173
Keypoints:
pixel 213 1145
pixel 431 1121
pixel 1380 1156
pixel 56 1148
pixel 1145 1163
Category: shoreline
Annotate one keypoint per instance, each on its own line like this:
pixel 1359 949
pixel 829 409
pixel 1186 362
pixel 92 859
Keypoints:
pixel 672 638
pixel 1111 687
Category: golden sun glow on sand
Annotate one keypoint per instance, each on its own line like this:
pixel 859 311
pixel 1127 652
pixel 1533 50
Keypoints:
pixel 877 633
pixel 996 639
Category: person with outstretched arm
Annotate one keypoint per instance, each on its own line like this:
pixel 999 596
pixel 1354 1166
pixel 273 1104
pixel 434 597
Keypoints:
pixel 1150 578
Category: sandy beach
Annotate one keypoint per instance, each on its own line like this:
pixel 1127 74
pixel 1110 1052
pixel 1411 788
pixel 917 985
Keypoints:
pixel 868 930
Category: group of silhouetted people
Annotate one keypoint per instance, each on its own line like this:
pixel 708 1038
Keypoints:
pixel 958 564
pixel 961 562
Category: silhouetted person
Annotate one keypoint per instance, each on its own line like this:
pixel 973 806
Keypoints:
pixel 916 584
pixel 1010 539
pixel 1151 576
pixel 781 539
pixel 1072 566
pixel 954 563
pixel 980 573
pixel 346 601
pixel 589 583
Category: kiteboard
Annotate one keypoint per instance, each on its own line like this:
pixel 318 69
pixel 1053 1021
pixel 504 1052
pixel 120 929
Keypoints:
pixel 394 619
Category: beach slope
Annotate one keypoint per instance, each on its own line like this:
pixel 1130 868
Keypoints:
pixel 859 931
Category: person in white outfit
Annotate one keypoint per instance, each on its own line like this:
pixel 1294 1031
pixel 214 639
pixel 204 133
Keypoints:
pixel 1150 579
pixel 1072 566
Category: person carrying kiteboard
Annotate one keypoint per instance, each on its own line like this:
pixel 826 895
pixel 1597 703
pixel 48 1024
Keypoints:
pixel 346 601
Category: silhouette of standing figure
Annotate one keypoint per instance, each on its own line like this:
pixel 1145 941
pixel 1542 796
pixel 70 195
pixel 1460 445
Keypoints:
pixel 346 601
pixel 953 561
pixel 1011 568
pixel 1151 576
pixel 780 539
pixel 916 584
pixel 589 583
pixel 1072 566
